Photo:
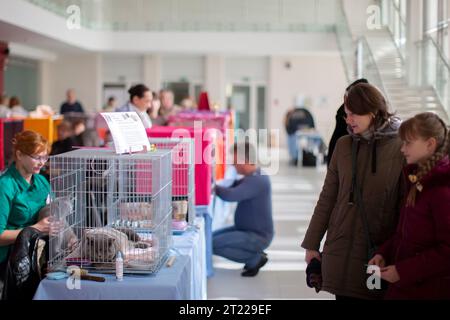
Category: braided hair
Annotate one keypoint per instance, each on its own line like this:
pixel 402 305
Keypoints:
pixel 425 125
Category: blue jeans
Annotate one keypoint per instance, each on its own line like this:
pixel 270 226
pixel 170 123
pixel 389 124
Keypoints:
pixel 239 246
pixel 292 146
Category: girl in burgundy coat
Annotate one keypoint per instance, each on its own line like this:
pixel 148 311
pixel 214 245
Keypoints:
pixel 416 260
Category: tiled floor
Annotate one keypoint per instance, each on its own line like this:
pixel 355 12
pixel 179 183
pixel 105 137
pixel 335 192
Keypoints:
pixel 295 193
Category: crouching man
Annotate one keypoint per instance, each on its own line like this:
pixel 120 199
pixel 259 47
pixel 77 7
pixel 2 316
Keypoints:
pixel 253 231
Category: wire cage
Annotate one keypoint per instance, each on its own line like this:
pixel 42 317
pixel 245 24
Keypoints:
pixel 183 179
pixel 103 203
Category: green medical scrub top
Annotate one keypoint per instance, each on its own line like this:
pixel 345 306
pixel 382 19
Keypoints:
pixel 20 202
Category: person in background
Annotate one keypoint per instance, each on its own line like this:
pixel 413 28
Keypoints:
pixel 297 118
pixel 341 126
pixel 140 102
pixel 253 228
pixel 71 105
pixel 359 202
pixel 188 103
pixel 16 109
pixel 154 110
pixel 110 105
pixel 4 107
pixel 23 193
pixel 65 139
pixel 415 261
pixel 82 136
pixel 168 107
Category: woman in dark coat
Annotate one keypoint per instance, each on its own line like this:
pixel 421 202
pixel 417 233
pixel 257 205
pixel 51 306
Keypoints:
pixel 416 260
pixel 364 176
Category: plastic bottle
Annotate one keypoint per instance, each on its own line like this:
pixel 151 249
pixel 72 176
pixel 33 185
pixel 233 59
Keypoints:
pixel 119 266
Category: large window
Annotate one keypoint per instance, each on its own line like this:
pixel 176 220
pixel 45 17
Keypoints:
pixel 436 23
pixel 395 16
pixel 21 80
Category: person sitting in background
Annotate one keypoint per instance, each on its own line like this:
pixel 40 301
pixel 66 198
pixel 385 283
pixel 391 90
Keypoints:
pixel 16 109
pixel 83 137
pixel 188 103
pixel 253 229
pixel 71 104
pixel 168 107
pixel 65 139
pixel 154 110
pixel 110 105
pixel 23 193
pixel 140 102
pixel 341 125
pixel 4 107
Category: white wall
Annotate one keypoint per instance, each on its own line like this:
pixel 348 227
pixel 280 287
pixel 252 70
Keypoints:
pixel 356 12
pixel 177 67
pixel 215 79
pixel 238 68
pixel 81 72
pixel 320 77
pixel 122 69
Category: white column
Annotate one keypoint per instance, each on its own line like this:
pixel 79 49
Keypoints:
pixel 98 63
pixel 414 32
pixel 152 72
pixel 44 83
pixel 215 81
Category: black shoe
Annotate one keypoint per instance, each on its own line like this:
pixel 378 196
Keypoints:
pixel 254 271
pixel 263 253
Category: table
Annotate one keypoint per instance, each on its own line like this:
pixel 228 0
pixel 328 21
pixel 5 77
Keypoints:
pixel 172 283
pixel 192 243
pixel 203 211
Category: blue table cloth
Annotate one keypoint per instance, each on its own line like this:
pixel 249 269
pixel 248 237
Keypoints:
pixel 172 283
pixel 202 211
pixel 192 243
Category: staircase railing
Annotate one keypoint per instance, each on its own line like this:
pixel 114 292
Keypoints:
pixel 396 24
pixel 367 66
pixel 435 71
pixel 345 43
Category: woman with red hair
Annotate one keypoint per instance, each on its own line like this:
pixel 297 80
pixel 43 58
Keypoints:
pixel 23 191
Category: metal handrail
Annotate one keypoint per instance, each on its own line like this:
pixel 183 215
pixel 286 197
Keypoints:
pixel 363 39
pixel 445 64
pixel 397 9
pixel 439 51
pixel 346 26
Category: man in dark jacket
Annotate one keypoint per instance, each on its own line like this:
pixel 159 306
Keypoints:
pixel 71 105
pixel 341 126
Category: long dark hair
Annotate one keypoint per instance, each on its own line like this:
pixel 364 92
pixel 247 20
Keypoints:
pixel 364 98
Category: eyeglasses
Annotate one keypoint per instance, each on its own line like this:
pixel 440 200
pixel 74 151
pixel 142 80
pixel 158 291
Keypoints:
pixel 40 159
